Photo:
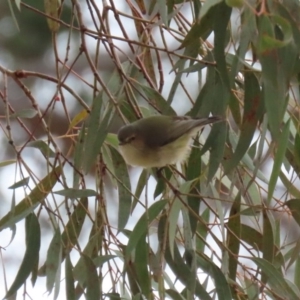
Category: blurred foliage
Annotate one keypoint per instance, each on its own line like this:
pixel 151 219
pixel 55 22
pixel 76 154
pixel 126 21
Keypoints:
pixel 33 38
pixel 224 225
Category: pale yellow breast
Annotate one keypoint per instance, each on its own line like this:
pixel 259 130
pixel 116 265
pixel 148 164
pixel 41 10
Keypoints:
pixel 171 153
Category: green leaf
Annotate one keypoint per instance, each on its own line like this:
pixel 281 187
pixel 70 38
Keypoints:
pixel 53 261
pixel 247 160
pixel 207 6
pixel 276 280
pixel 73 228
pixel 173 220
pixel 143 180
pixel 29 203
pixel 255 239
pixel 25 114
pixel 216 142
pixel 52 10
pixel 97 128
pixel 233 236
pixel 161 181
pixel 179 67
pixel 223 288
pixel 112 140
pixel 22 182
pixel 81 116
pixel 203 104
pixel 253 112
pixel 251 236
pixel 278 159
pixel 141 227
pixel 277 56
pixel 297 148
pixel 92 282
pixel 190 253
pixel 99 261
pixel 174 295
pixel 112 296
pixel 43 147
pixel 141 266
pixel 156 100
pixel 202 231
pixel 195 68
pixel 33 240
pixel 287 10
pixel 124 188
pixel 221 20
pixel 297 272
pixel 202 28
pixel 268 241
pixel 193 172
pixel 132 280
pixel 252 288
pixel 267 39
pixel 248 33
pixel 163 12
pixel 18 4
pixel 77 193
pixel 294 206
pixel 292 189
pixel 79 271
pixel 180 269
pixel 78 154
pixel 70 289
pixel 7 162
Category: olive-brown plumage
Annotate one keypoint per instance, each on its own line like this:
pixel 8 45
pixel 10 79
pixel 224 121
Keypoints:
pixel 157 141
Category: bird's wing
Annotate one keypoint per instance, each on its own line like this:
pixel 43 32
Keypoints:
pixel 185 124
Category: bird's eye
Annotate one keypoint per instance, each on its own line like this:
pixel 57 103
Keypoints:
pixel 130 139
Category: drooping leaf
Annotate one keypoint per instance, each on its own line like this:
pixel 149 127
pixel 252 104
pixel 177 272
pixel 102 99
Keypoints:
pixel 252 114
pixel 280 154
pixel 97 125
pixel 35 197
pixel 178 266
pixel 33 241
pixel 222 285
pixel 140 186
pixel 141 267
pixel 80 270
pixel 233 236
pixel 141 226
pixel 70 289
pixel 276 280
pixel 294 206
pixel 52 10
pixel 268 241
pixel 92 281
pixel 193 172
pixel 53 261
pixel 73 228
pixel 124 188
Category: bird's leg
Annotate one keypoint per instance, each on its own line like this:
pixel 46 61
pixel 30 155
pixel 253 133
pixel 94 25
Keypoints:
pixel 159 172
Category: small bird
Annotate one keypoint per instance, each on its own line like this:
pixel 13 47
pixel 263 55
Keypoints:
pixel 158 141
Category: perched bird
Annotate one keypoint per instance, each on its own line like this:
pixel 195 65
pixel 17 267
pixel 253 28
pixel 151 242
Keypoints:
pixel 158 141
